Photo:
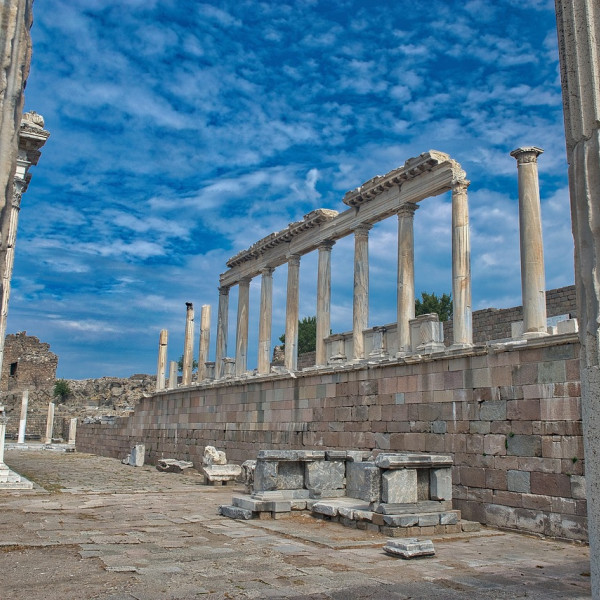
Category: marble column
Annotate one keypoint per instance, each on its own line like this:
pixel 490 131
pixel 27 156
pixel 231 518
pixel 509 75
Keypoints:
pixel 323 301
pixel 173 369
pixel 161 369
pixel 265 320
pixel 23 419
pixel 49 423
pixel 360 305
pixel 222 331
pixel 578 26
pixel 292 313
pixel 204 346
pixel 3 422
pixel 241 339
pixel 461 267
pixel 406 275
pixel 188 345
pixel 72 430
pixel 533 282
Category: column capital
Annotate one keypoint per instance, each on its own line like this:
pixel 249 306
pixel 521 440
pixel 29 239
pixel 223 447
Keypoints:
pixel 527 154
pixel 326 245
pixel 407 209
pixel 293 259
pixel 224 290
pixel 267 271
pixel 460 185
pixel 363 230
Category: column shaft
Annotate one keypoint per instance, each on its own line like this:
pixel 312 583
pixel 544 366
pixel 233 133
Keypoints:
pixel 188 346
pixel 461 266
pixel 72 430
pixel 172 375
pixel 360 305
pixel 265 320
pixel 49 423
pixel 161 369
pixel 292 313
pixel 204 345
pixel 241 341
pixel 533 283
pixel 406 275
pixel 323 301
pixel 23 419
pixel 222 331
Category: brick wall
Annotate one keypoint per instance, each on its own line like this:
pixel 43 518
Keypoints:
pixel 511 420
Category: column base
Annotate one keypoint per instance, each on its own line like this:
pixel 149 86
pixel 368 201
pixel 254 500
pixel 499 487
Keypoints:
pixel 527 335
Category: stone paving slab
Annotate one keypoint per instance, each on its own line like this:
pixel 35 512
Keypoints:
pixel 109 531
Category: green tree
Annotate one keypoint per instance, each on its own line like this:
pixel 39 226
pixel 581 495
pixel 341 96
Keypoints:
pixel 307 335
pixel 432 303
pixel 180 364
pixel 62 389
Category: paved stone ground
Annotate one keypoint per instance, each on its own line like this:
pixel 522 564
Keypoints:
pixel 99 529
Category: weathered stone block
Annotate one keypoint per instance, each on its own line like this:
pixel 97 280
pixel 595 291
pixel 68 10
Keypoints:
pixel 401 520
pixel 136 458
pixel 363 481
pixel 449 518
pixel 578 487
pixel 429 520
pixel 524 445
pixel 399 486
pixel 265 476
pixel 409 547
pixel 440 484
pixel 494 410
pixel 324 475
pixel 235 512
pixel 518 481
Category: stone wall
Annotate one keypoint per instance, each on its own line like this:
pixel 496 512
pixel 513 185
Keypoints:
pixel 509 416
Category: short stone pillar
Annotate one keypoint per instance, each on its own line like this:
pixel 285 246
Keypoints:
pixel 533 283
pixel 222 329
pixel 338 349
pixel 72 430
pixel 323 301
pixel 292 313
pixel 188 345
pixel 204 341
pixel 379 349
pixel 49 423
pixel 23 419
pixel 427 334
pixel 360 304
pixel 173 370
pixel 265 319
pixel 241 340
pixel 209 369
pixel 229 367
pixel 161 368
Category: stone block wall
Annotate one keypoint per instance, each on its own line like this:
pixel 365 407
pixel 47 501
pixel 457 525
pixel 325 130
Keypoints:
pixel 509 417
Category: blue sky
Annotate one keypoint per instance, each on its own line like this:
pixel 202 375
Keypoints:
pixel 182 132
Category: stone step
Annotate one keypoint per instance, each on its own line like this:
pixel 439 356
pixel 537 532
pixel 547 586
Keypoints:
pixel 235 512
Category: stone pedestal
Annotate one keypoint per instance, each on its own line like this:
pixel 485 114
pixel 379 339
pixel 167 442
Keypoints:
pixel 406 275
pixel 426 334
pixel 222 328
pixel 265 319
pixel 161 368
pixel 323 301
pixel 49 423
pixel 204 341
pixel 241 341
pixel 23 419
pixel 360 305
pixel 292 313
pixel 188 346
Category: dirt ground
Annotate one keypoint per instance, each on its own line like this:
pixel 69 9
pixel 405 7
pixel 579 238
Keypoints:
pixel 94 528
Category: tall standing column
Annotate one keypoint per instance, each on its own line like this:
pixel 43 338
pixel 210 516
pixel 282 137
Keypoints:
pixel 222 331
pixel 161 369
pixel 292 313
pixel 360 305
pixel 204 341
pixel 406 275
pixel 461 267
pixel 578 25
pixel 533 283
pixel 265 319
pixel 49 423
pixel 188 345
pixel 323 301
pixel 241 340
pixel 23 420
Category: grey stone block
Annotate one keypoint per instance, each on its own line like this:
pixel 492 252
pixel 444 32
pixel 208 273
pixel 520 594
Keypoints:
pixel 412 460
pixel 429 520
pixel 324 475
pixel 363 481
pixel 440 484
pixel 399 486
pixel 409 548
pixel 401 520
pixel 235 512
pixel 524 445
pixel 248 503
pixel 324 508
pixel 438 427
pixel 449 518
pixel 326 493
pixel 518 481
pixel 405 509
pixel 578 487
pixel 493 410
pixel 136 458
pixel 357 455
pixel 265 476
pixel 335 455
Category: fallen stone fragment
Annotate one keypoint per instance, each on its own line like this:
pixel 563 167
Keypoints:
pixel 235 512
pixel 409 548
pixel 172 465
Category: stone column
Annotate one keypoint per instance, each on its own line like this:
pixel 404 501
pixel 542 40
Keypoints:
pixel 323 301
pixel 406 275
pixel 222 331
pixel 173 369
pixel 161 369
pixel 49 423
pixel 241 340
pixel 292 313
pixel 461 267
pixel 533 282
pixel 188 345
pixel 360 305
pixel 3 422
pixel 265 319
pixel 23 419
pixel 578 25
pixel 72 430
pixel 204 341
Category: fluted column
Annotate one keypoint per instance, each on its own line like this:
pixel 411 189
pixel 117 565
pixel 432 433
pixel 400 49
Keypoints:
pixel 578 26
pixel 222 331
pixel 461 267
pixel 265 320
pixel 360 305
pixel 406 275
pixel 161 368
pixel 241 340
pixel 533 282
pixel 188 345
pixel 292 313
pixel 204 341
pixel 323 301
